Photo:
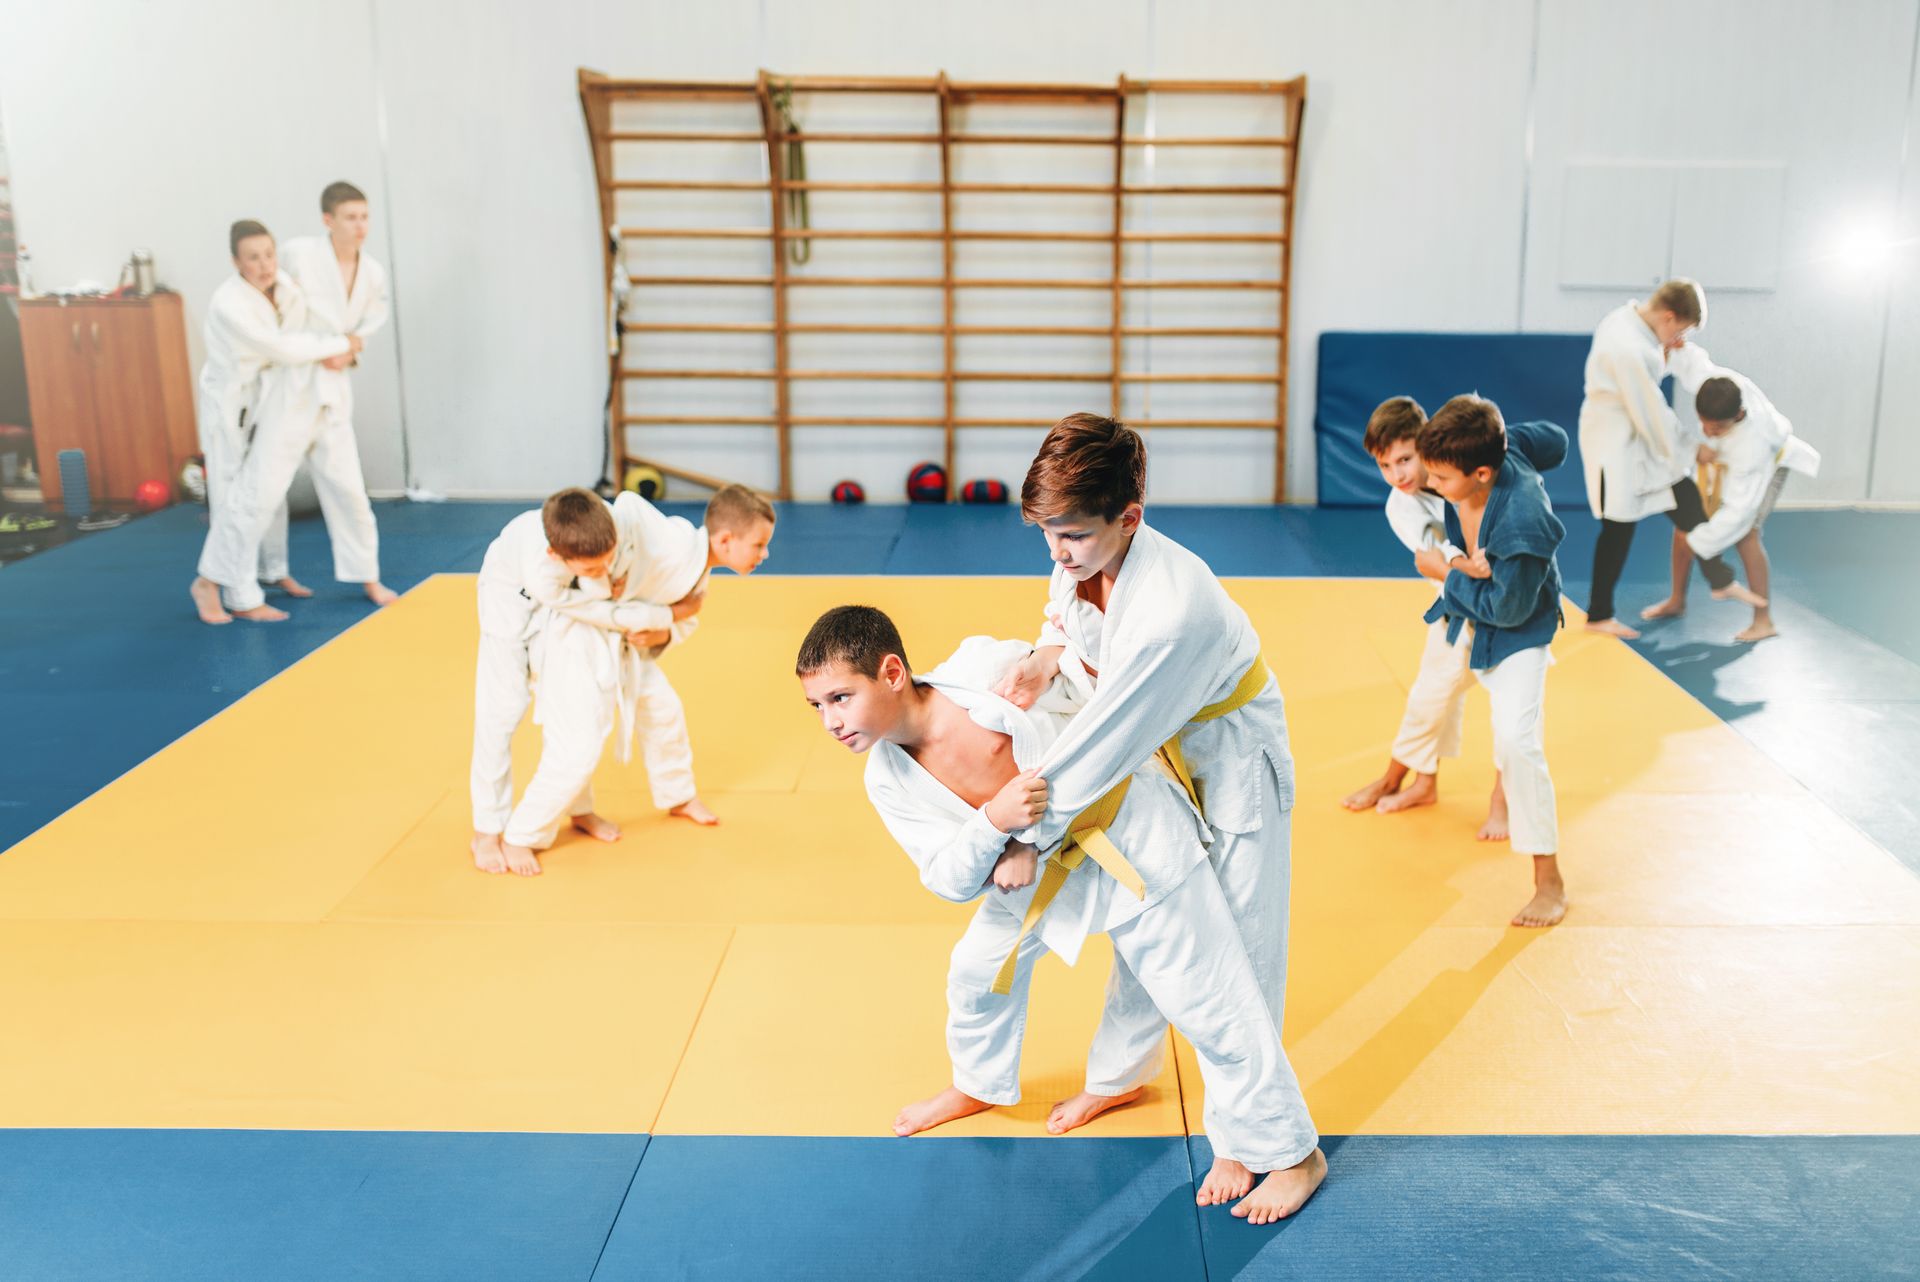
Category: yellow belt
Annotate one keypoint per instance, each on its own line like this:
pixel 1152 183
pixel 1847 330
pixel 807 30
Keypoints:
pixel 1252 682
pixel 1086 838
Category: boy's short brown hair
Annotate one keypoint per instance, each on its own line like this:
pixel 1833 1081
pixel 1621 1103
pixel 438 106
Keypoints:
pixel 858 636
pixel 578 524
pixel 1684 298
pixel 1467 433
pixel 1088 465
pixel 338 194
pixel 1391 422
pixel 245 229
pixel 1718 400
pixel 735 508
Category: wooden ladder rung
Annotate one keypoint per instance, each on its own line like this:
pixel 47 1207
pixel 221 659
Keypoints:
pixel 1029 189
pixel 842 420
pixel 697 420
pixel 690 327
pixel 865 282
pixel 1200 189
pixel 694 233
pixel 697 373
pixel 1035 140
pixel 811 185
pixel 1278 286
pixel 856 233
pixel 869 375
pixel 1205 237
pixel 1084 331
pixel 758 281
pixel 670 135
pixel 1144 141
pixel 1104 237
pixel 1200 331
pixel 649 184
pixel 808 136
pixel 1024 376
pixel 840 328
pixel 1199 378
pixel 983 282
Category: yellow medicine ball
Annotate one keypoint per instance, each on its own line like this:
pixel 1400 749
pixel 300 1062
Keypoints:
pixel 645 481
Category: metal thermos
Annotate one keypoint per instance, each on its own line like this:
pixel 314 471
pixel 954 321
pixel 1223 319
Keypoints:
pixel 143 276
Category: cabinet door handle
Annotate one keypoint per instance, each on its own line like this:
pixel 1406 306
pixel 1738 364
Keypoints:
pixel 96 336
pixel 76 336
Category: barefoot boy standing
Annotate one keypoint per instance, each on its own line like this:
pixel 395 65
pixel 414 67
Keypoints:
pixel 952 773
pixel 1499 627
pixel 1436 703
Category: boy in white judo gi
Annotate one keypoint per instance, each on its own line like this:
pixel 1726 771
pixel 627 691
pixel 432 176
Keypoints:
pixel 1163 658
pixel 1436 705
pixel 1754 444
pixel 311 418
pixel 1498 628
pixel 591 652
pixel 256 321
pixel 953 775
pixel 1638 458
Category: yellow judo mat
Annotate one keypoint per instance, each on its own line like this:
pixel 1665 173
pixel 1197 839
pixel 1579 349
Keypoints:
pixel 275 923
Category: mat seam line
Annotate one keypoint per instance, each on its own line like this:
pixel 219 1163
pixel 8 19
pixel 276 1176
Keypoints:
pixel 621 1209
pixel 725 950
pixel 1186 1146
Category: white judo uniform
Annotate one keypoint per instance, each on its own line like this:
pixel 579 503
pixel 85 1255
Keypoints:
pixel 1170 643
pixel 307 415
pixel 247 333
pixel 588 682
pixel 1632 446
pixel 1179 939
pixel 1757 453
pixel 1430 728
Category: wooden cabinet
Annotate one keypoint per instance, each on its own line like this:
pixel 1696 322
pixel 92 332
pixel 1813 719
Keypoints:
pixel 109 376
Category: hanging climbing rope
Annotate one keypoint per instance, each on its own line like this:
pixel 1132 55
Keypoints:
pixel 794 170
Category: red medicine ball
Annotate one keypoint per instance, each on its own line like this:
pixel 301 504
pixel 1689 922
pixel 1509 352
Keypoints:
pixel 849 492
pixel 984 492
pixel 151 496
pixel 927 483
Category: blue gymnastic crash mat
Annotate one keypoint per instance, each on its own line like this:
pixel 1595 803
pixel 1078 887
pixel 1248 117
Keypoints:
pixel 1529 376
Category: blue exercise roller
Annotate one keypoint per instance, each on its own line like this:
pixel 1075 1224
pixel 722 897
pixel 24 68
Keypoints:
pixel 74 491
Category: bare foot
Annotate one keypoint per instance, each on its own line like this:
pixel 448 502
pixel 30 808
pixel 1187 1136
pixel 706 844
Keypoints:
pixel 1742 593
pixel 597 828
pixel 1227 1181
pixel 380 594
pixel 261 614
pixel 695 811
pixel 1671 608
pixel 1072 1114
pixel 293 587
pixel 1758 632
pixel 1546 908
pixel 949 1105
pixel 1369 796
pixel 1283 1192
pixel 1614 628
pixel 487 854
pixel 1423 791
pixel 206 600
pixel 1495 828
pixel 521 860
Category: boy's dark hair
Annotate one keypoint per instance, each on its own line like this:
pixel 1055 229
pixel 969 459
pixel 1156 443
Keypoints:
pixel 735 508
pixel 338 194
pixel 1391 422
pixel 1467 433
pixel 1718 400
pixel 858 636
pixel 245 229
pixel 1088 465
pixel 578 524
